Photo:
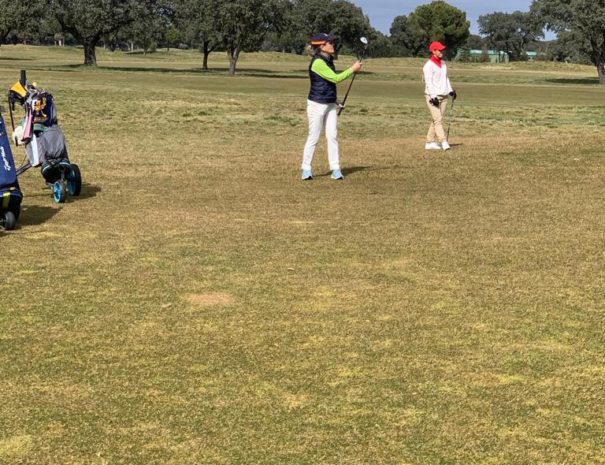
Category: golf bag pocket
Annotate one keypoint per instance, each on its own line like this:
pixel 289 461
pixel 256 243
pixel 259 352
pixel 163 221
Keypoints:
pixel 50 146
pixel 10 200
pixel 33 152
pixel 44 110
pixel 8 174
pixel 54 170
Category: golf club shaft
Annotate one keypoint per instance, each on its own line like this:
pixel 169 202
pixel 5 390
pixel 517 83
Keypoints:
pixel 449 124
pixel 10 111
pixel 342 107
pixel 360 58
pixel 23 168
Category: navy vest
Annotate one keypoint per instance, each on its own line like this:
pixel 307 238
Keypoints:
pixel 322 91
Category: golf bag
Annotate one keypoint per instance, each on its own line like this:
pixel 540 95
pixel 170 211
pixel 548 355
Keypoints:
pixel 44 141
pixel 10 194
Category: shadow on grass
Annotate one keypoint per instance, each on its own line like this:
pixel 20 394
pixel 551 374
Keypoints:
pixel 249 72
pixel 298 74
pixel 348 171
pixel 575 81
pixel 14 59
pixel 355 169
pixel 34 215
pixel 88 191
pixel 252 72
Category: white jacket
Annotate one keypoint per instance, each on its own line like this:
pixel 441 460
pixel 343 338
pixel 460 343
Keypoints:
pixel 436 81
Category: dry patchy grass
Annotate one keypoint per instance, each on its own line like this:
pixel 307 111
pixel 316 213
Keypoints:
pixel 199 304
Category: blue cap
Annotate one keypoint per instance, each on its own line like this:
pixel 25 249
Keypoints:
pixel 321 39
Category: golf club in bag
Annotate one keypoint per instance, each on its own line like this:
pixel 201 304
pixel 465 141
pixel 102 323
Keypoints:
pixel 365 42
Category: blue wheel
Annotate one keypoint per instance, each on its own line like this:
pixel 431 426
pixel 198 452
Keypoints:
pixel 74 180
pixel 58 192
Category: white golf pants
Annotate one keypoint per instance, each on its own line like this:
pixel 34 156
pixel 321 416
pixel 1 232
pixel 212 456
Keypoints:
pixel 321 115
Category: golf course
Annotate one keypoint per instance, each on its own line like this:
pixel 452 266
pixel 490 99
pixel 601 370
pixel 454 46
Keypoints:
pixel 198 303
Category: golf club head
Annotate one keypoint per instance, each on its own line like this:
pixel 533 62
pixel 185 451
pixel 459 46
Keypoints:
pixel 365 42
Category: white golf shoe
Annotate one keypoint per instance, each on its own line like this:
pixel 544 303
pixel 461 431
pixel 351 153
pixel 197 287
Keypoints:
pixel 432 146
pixel 445 145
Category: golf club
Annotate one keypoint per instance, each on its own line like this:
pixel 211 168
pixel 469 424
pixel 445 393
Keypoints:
pixel 365 42
pixel 449 124
pixel 11 98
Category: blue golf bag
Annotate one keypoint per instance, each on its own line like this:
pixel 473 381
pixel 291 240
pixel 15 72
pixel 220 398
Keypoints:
pixel 10 194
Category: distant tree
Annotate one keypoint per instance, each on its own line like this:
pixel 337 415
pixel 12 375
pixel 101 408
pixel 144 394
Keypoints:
pixel 146 32
pixel 115 40
pixel 149 26
pixel 235 26
pixel 510 32
pixel 172 37
pixel 242 25
pixel 464 54
pixel 34 27
pixel 13 17
pixel 308 17
pixel 349 24
pixel 194 18
pixel 90 20
pixel 474 42
pixel 50 31
pixel 402 37
pixel 340 18
pixel 564 49
pixel 287 37
pixel 380 45
pixel 583 21
pixel 434 21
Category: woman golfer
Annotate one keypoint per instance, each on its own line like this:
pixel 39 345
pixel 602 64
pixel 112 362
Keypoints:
pixel 437 88
pixel 322 106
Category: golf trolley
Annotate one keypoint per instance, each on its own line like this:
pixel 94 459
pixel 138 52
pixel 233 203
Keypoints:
pixel 63 178
pixel 43 139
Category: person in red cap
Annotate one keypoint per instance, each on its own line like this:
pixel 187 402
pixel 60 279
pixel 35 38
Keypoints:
pixel 436 91
pixel 322 105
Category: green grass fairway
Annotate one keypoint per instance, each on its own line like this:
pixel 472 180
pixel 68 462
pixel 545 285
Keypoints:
pixel 199 304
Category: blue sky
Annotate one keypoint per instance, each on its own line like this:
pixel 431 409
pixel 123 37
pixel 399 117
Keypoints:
pixel 382 12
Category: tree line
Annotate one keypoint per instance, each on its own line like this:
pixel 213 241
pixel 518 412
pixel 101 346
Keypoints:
pixel 237 26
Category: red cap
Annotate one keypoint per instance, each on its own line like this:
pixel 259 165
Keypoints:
pixel 436 46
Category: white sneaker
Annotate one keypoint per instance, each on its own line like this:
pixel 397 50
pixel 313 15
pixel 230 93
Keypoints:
pixel 445 145
pixel 432 146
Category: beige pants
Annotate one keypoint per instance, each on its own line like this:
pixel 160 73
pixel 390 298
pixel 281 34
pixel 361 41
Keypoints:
pixel 436 128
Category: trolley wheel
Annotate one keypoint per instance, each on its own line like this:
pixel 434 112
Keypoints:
pixel 74 180
pixel 58 192
pixel 9 220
